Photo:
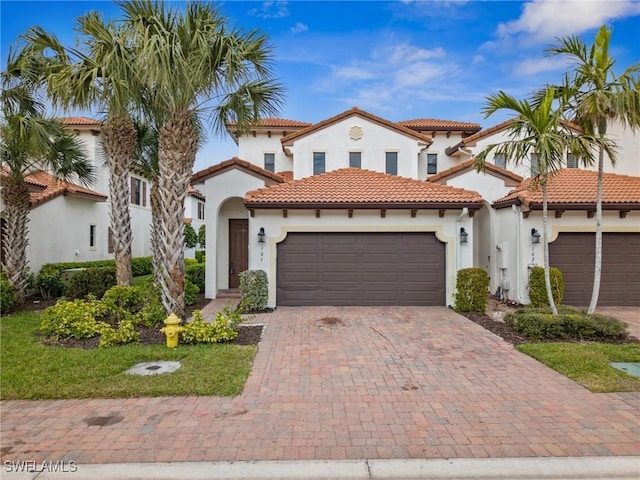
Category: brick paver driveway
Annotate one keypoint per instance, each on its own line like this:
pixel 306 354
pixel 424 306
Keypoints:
pixel 333 383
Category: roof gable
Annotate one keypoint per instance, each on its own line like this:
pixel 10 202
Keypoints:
pixel 289 139
pixel 55 187
pixel 573 188
pixel 510 179
pixel 359 188
pixel 238 164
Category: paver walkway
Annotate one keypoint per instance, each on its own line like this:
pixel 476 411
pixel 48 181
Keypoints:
pixel 335 383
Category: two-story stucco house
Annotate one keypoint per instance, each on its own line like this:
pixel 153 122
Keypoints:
pixel 359 210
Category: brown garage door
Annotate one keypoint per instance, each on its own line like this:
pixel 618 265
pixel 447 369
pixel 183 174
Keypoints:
pixel 361 269
pixel 573 254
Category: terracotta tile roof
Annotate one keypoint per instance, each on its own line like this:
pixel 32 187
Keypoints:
pixel 54 188
pixel 436 124
pixel 286 175
pixel 572 187
pixel 288 140
pixel 235 162
pixel 195 193
pixel 358 188
pixel 277 122
pixel 471 140
pixel 73 121
pixel 468 166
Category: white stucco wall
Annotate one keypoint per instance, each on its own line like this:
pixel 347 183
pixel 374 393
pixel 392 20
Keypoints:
pixel 335 142
pixel 252 149
pixel 440 143
pixel 519 254
pixel 264 256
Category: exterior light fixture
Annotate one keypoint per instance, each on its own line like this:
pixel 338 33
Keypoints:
pixel 463 235
pixel 261 235
pixel 535 236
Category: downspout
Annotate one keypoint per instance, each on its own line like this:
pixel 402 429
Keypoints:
pixel 514 209
pixel 464 212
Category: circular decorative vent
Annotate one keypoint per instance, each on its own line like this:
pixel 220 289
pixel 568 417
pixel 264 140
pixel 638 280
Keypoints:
pixel 356 132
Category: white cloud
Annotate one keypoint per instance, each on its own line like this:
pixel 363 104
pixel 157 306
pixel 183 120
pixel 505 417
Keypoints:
pixel 271 9
pixel 532 66
pixel 408 54
pixel 543 20
pixel 352 72
pixel 299 27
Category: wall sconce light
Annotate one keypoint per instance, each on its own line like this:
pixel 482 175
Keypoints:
pixel 463 235
pixel 261 235
pixel 535 236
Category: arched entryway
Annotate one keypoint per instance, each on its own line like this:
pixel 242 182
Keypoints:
pixel 232 252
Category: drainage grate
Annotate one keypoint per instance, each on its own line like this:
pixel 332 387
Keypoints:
pixel 153 368
pixel 631 368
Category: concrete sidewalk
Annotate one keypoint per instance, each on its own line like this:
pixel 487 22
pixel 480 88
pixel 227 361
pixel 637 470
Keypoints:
pixel 601 468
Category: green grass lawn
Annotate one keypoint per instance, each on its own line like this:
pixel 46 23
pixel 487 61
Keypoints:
pixel 588 363
pixel 31 370
pixel 141 280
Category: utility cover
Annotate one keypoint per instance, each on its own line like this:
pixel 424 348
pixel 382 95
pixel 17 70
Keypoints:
pixel 632 368
pixel 153 368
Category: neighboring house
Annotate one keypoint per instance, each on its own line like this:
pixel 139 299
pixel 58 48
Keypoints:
pixel 358 210
pixel 194 215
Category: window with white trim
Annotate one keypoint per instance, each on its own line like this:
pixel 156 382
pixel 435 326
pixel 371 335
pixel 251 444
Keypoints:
pixel 92 236
pixel 138 192
pixel 572 161
pixel 318 163
pixel 270 162
pixel 432 163
pixel 200 210
pixel 535 168
pixel 499 160
pixel 391 163
pixel 355 159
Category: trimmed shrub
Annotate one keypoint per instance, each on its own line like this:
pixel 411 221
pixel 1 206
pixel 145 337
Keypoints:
pixel 254 292
pixel 202 237
pixel 200 255
pixel 94 281
pixel 541 324
pixel 199 331
pixel 123 334
pixel 538 290
pixel 190 236
pixel 196 273
pixel 190 261
pixel 7 293
pixel 72 319
pixel 49 282
pixel 472 286
pixel 191 291
pixel 140 304
pixel 142 266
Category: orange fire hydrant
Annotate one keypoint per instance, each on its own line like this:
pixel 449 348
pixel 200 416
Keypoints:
pixel 172 330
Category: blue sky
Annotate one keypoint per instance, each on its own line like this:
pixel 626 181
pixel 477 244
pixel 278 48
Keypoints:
pixel 399 60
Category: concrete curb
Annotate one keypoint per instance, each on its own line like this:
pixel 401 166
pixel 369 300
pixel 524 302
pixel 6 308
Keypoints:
pixel 556 468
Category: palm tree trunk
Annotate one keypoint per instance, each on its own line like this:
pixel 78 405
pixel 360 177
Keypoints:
pixel 597 270
pixel 156 228
pixel 547 274
pixel 119 140
pixel 178 144
pixel 15 195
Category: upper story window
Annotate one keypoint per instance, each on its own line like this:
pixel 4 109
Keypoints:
pixel 92 236
pixel 499 160
pixel 270 162
pixel 432 163
pixel 391 166
pixel 355 159
pixel 572 161
pixel 318 163
pixel 200 210
pixel 138 192
pixel 535 168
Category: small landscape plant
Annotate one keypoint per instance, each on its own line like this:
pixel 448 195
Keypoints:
pixel 190 236
pixel 569 324
pixel 190 292
pixel 222 329
pixel 538 289
pixel 254 292
pixel 472 285
pixel 92 281
pixel 7 293
pixel 196 274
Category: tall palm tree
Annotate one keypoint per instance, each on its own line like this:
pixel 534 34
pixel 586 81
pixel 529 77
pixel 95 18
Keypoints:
pixel 597 96
pixel 536 129
pixel 101 74
pixel 29 141
pixel 194 63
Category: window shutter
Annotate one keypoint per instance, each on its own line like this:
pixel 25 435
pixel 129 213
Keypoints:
pixel 133 190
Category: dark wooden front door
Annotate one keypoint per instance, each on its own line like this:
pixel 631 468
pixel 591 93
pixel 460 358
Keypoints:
pixel 238 250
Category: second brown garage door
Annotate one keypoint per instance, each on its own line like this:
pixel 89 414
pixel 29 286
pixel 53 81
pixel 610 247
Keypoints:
pixel 573 254
pixel 361 269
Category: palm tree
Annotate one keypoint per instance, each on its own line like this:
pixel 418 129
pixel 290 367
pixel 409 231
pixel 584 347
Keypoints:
pixel 194 63
pixel 597 96
pixel 536 129
pixel 29 141
pixel 101 75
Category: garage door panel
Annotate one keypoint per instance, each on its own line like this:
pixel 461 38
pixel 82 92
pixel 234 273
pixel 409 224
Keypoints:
pixel 573 254
pixel 362 269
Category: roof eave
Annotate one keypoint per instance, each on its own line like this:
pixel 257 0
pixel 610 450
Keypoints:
pixel 363 205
